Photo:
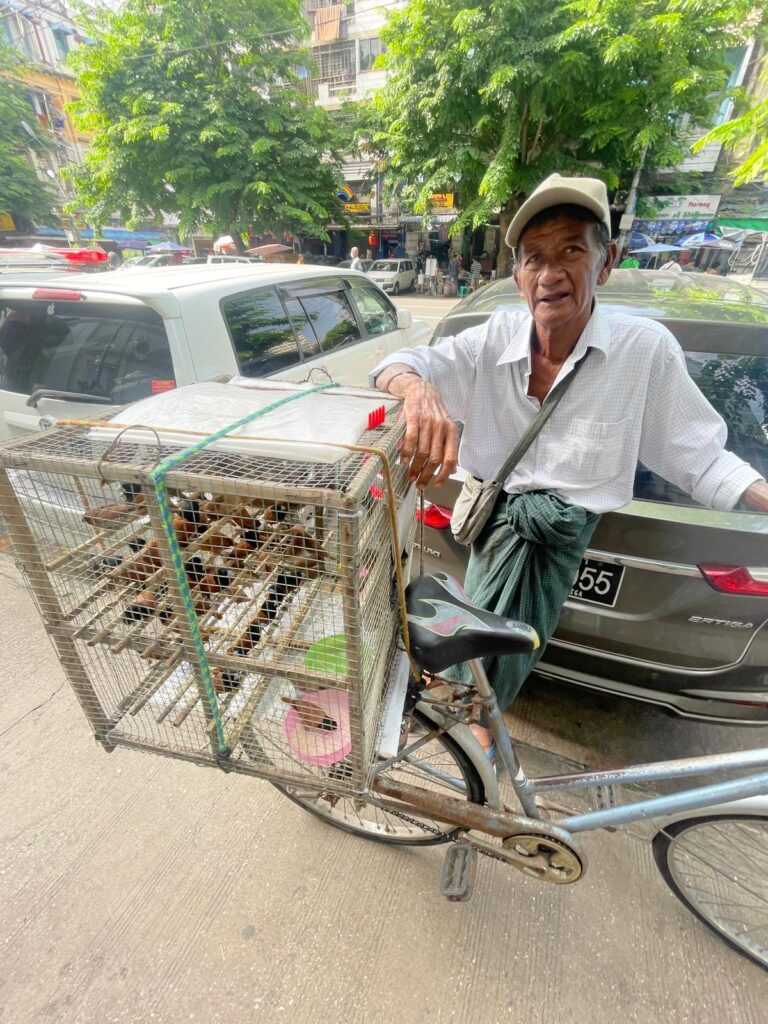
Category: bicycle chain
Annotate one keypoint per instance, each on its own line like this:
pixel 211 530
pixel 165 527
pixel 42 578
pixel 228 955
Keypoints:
pixel 451 837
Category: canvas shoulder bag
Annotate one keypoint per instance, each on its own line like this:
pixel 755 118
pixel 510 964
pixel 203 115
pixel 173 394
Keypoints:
pixel 477 498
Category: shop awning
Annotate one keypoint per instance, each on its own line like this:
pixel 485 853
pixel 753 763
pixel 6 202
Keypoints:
pixel 748 223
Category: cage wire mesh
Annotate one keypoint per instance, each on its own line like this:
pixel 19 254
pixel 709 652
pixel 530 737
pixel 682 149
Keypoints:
pixel 290 573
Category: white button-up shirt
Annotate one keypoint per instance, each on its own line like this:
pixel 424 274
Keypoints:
pixel 632 401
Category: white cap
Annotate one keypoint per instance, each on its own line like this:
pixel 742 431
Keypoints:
pixel 556 191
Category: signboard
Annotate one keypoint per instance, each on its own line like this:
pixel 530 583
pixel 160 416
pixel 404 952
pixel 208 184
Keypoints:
pixel 683 207
pixel 442 200
pixel 6 222
pixel 357 207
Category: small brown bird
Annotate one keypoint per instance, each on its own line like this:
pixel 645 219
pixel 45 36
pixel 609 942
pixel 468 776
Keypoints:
pixel 139 566
pixel 216 543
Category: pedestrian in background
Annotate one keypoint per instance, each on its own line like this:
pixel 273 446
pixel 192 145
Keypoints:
pixel 354 255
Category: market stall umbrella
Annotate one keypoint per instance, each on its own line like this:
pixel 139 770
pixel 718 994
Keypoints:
pixel 224 242
pixel 655 248
pixel 168 247
pixel 638 239
pixel 706 240
pixel 270 249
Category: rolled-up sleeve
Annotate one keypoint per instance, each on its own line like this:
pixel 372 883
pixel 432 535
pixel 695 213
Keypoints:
pixel 450 364
pixel 683 437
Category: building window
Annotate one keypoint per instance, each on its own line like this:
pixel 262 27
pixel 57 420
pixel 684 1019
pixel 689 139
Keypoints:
pixel 335 64
pixel 62 44
pixel 735 58
pixel 369 51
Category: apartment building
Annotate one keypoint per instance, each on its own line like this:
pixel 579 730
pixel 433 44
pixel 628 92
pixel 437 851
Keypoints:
pixel 43 33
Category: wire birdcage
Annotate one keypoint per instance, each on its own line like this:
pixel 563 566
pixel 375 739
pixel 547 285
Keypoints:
pixel 243 611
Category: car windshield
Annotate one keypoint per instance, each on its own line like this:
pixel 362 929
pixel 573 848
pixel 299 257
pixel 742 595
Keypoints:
pixel 116 352
pixel 387 265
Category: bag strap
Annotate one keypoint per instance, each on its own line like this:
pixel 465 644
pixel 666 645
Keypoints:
pixel 547 408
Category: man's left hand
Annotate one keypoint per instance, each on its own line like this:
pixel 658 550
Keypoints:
pixel 756 496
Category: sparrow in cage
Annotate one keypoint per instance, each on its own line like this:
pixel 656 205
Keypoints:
pixel 145 605
pixel 140 565
pixel 216 581
pixel 110 517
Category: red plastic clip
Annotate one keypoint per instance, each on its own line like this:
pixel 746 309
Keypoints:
pixel 377 417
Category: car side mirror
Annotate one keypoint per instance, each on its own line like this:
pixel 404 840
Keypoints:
pixel 404 319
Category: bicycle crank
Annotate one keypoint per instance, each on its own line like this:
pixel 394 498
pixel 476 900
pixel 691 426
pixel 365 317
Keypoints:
pixel 542 857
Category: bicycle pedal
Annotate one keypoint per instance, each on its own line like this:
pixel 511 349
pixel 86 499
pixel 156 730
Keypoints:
pixel 457 881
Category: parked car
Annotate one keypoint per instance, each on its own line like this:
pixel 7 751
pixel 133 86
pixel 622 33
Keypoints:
pixel 670 604
pixel 393 275
pixel 214 259
pixel 160 259
pixel 347 265
pixel 90 344
pixel 42 259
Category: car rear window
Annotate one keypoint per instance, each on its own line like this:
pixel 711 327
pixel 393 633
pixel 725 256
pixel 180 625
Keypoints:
pixel 737 386
pixel 116 352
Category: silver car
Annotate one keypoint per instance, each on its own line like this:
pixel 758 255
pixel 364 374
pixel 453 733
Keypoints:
pixel 670 604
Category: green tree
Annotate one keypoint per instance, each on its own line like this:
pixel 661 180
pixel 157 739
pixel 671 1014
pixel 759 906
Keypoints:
pixel 22 194
pixel 746 134
pixel 487 99
pixel 195 108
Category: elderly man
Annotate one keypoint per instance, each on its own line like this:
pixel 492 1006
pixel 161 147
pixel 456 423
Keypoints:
pixel 354 255
pixel 633 400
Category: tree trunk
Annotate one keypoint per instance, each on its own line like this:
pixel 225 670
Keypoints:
pixel 237 238
pixel 504 259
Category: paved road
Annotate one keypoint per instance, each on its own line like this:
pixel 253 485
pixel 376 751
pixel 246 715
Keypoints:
pixel 425 308
pixel 136 889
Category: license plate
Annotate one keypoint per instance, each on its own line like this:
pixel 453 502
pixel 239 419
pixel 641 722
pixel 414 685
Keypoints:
pixel 597 582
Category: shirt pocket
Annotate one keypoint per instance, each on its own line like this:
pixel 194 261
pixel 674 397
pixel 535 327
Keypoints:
pixel 593 452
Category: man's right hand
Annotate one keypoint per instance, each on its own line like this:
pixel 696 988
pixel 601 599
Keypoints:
pixel 431 438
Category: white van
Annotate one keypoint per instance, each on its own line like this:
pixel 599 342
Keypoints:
pixel 91 343
pixel 393 275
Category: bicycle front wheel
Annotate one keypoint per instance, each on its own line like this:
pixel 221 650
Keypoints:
pixel 718 867
pixel 439 765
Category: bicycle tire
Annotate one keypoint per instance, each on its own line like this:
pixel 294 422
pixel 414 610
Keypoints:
pixel 737 878
pixel 378 830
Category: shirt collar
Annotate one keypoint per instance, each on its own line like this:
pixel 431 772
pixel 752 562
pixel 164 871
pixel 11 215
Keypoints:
pixel 595 335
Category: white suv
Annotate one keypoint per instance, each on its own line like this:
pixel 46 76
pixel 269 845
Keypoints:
pixel 70 348
pixel 393 275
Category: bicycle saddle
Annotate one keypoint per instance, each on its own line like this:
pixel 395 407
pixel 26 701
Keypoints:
pixel 445 628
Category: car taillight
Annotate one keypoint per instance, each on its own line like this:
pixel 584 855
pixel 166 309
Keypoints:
pixel 57 294
pixel 436 516
pixel 736 579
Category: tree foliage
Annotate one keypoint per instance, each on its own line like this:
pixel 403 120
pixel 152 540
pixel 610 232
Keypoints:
pixel 746 134
pixel 22 193
pixel 196 109
pixel 486 99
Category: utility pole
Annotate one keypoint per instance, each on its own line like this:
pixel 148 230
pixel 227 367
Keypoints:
pixel 625 224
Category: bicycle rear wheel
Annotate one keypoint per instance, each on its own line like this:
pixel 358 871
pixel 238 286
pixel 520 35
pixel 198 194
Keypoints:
pixel 718 867
pixel 440 765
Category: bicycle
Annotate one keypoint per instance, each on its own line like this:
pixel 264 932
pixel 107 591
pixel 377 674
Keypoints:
pixel 711 861
pixel 194 595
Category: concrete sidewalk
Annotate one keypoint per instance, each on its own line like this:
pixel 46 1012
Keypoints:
pixel 138 889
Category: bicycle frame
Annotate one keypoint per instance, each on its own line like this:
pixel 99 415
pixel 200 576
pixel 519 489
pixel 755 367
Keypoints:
pixel 494 817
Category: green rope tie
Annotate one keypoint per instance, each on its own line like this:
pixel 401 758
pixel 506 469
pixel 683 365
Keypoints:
pixel 157 480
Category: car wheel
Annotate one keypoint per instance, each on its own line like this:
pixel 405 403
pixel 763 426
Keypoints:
pixel 396 288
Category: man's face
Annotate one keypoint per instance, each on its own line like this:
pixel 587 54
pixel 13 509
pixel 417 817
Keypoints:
pixel 560 265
